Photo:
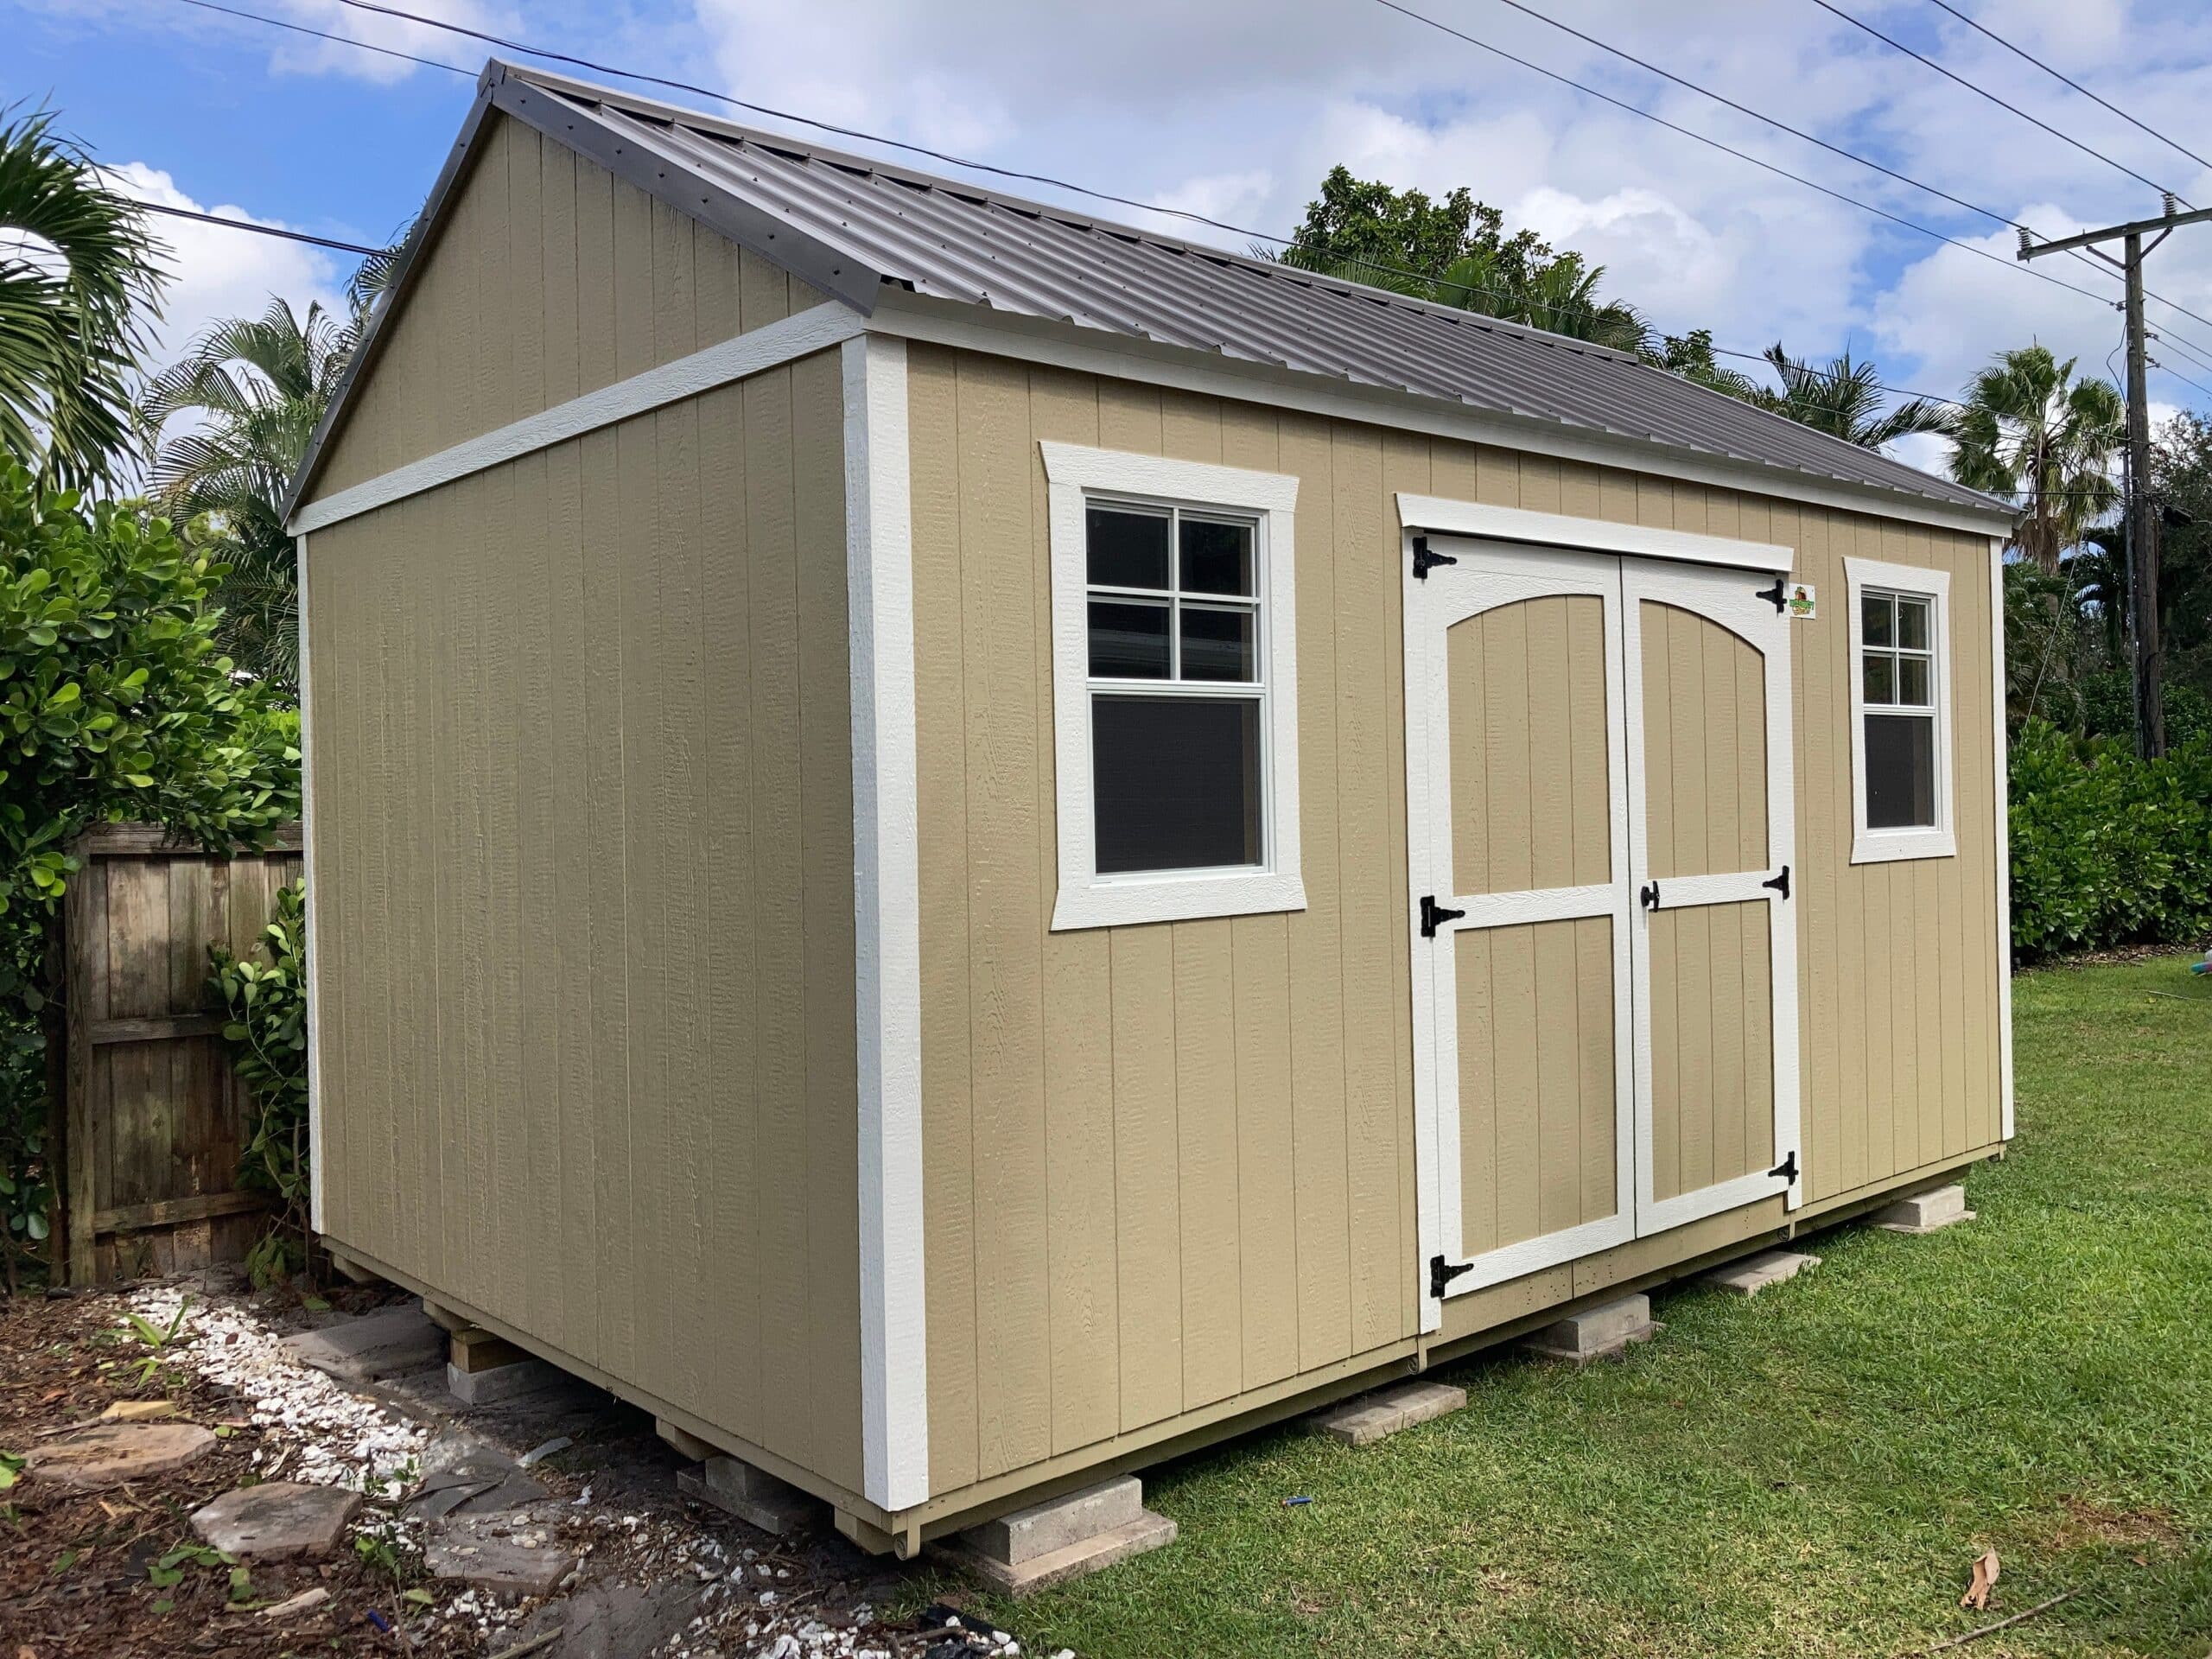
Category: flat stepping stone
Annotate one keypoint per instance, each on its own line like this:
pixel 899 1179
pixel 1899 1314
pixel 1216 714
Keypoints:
pixel 500 1552
pixel 1755 1273
pixel 390 1342
pixel 92 1459
pixel 278 1521
pixel 1370 1417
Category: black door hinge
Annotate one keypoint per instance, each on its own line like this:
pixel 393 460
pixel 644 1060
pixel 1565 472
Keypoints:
pixel 1648 895
pixel 1442 1273
pixel 1780 883
pixel 1432 913
pixel 1787 1169
pixel 1775 593
pixel 1425 561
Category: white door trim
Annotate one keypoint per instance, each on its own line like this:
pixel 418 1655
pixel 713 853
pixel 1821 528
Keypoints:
pixel 1486 576
pixel 1441 516
pixel 1730 601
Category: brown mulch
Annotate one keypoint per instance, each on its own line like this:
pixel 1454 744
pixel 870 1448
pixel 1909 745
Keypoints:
pixel 74 1567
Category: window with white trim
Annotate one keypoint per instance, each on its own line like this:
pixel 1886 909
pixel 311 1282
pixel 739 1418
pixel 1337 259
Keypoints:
pixel 1900 712
pixel 1175 697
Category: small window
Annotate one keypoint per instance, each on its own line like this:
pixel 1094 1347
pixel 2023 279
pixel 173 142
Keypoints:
pixel 1900 714
pixel 1175 706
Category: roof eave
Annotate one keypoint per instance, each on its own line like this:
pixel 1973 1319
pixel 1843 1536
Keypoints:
pixel 981 327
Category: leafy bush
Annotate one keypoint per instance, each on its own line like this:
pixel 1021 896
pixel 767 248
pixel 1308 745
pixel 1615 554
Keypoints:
pixel 115 704
pixel 267 1006
pixel 2108 849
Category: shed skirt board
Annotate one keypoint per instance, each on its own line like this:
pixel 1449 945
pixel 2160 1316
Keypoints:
pixel 1599 786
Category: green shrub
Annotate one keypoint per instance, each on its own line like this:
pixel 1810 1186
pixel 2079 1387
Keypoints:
pixel 266 1004
pixel 2108 849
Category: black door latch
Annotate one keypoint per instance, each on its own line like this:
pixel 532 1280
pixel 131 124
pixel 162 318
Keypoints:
pixel 1442 1273
pixel 1425 561
pixel 1787 1169
pixel 1780 883
pixel 1432 913
pixel 1648 895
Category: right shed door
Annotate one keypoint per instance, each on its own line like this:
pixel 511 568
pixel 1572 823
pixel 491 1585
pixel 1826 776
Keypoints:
pixel 1712 945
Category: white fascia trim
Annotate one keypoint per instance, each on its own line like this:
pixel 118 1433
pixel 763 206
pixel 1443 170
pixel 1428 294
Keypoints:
pixel 2004 834
pixel 886 913
pixel 318 1174
pixel 1087 900
pixel 1089 351
pixel 815 329
pixel 1888 846
pixel 1440 516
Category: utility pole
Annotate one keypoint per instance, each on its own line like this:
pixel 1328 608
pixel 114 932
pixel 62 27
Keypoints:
pixel 2142 518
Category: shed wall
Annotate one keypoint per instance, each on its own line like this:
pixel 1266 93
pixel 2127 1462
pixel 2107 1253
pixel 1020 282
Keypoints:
pixel 549 278
pixel 1170 1167
pixel 583 840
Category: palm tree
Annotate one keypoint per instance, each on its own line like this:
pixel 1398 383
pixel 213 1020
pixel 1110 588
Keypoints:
pixel 1844 399
pixel 2031 430
pixel 78 286
pixel 254 389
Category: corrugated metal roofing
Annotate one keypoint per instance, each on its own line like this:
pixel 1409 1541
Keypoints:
pixel 953 240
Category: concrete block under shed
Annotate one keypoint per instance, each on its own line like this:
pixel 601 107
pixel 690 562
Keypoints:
pixel 1596 1332
pixel 1925 1212
pixel 1367 1418
pixel 1755 1273
pixel 1063 1538
pixel 753 1496
pixel 499 1382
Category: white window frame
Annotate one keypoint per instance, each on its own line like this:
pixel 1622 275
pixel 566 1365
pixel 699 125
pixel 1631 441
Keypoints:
pixel 1074 476
pixel 1871 846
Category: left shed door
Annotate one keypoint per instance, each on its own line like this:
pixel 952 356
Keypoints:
pixel 1517 798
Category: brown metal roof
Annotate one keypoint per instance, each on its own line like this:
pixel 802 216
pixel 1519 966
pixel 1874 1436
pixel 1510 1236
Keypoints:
pixel 850 224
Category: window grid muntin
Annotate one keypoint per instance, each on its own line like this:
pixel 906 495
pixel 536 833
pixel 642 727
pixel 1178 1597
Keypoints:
pixel 1895 652
pixel 1175 686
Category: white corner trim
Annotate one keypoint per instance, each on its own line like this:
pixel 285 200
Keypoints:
pixel 815 329
pixel 1890 846
pixel 1440 516
pixel 318 1176
pixel 887 948
pixel 1091 351
pixel 1086 899
pixel 2004 836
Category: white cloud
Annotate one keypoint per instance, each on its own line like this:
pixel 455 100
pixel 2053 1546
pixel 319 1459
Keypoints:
pixel 216 273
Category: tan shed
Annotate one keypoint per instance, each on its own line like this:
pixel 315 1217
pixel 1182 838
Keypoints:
pixel 958 848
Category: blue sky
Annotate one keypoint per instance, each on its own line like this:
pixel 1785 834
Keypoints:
pixel 1236 107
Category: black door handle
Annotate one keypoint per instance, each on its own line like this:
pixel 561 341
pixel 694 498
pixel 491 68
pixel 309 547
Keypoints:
pixel 1648 894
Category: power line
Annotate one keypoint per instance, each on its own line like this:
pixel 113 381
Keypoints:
pixel 1898 45
pixel 324 35
pixel 1979 29
pixel 2183 378
pixel 1780 125
pixel 258 230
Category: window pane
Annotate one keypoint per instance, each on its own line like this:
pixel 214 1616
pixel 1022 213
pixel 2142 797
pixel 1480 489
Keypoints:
pixel 1912 682
pixel 1218 644
pixel 1881 677
pixel 1128 640
pixel 1128 547
pixel 1900 771
pixel 1875 612
pixel 1217 557
pixel 1176 781
pixel 1912 624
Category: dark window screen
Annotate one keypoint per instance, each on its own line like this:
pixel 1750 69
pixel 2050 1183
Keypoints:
pixel 1177 782
pixel 1900 771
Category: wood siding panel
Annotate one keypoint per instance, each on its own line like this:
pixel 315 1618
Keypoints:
pixel 1129 1042
pixel 585 823
pixel 550 278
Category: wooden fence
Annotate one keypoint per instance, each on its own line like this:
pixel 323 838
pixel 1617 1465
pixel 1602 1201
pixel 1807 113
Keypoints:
pixel 151 1113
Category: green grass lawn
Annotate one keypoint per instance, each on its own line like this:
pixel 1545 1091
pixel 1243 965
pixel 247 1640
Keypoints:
pixel 1811 1472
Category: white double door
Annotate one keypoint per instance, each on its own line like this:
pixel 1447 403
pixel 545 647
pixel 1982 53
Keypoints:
pixel 1600 819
